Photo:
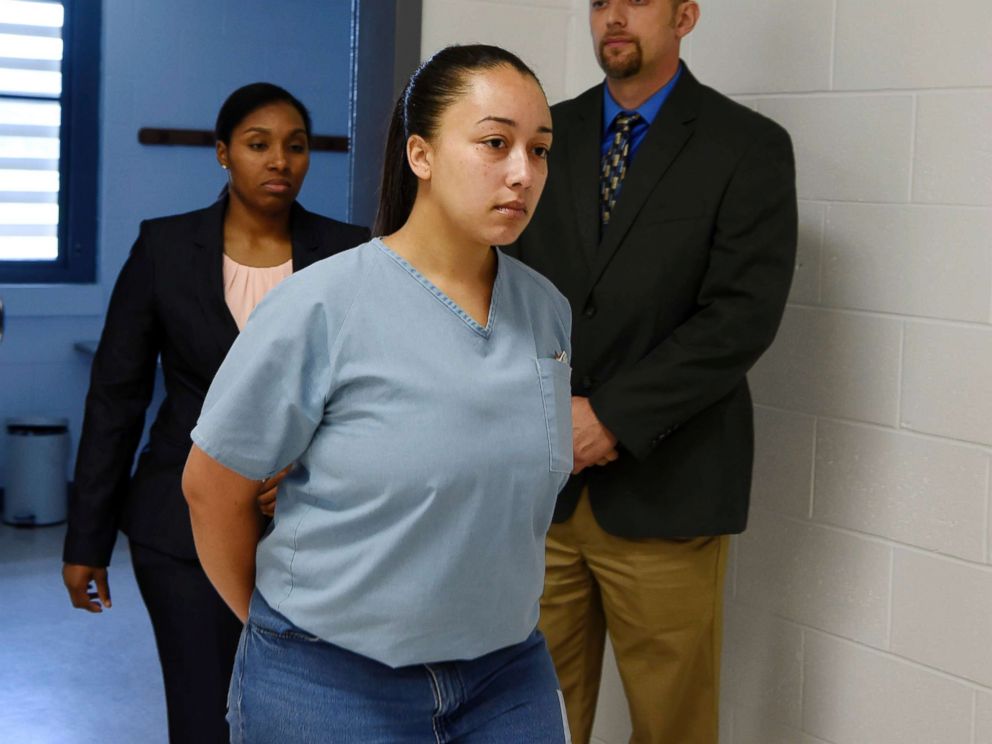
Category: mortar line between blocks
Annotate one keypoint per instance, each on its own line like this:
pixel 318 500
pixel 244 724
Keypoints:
pixel 990 296
pixel 812 469
pixel 833 46
pixel 988 510
pixel 874 425
pixel 974 325
pixel 892 591
pixel 802 680
pixel 571 34
pixel 974 716
pixel 975 687
pixel 902 204
pixel 854 92
pixel 899 374
pixel 978 564
pixel 912 147
pixel 821 251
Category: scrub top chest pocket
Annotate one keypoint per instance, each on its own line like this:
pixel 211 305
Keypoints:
pixel 556 393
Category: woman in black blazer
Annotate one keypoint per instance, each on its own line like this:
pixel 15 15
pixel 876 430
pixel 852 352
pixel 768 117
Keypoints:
pixel 169 301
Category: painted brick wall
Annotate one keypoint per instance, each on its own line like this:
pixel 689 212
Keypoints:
pixel 860 598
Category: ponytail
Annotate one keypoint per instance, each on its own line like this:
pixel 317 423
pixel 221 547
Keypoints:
pixel 398 187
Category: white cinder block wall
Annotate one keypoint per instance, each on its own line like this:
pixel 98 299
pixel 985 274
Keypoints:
pixel 860 598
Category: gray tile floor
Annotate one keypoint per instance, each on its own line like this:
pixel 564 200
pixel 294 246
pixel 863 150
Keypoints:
pixel 68 676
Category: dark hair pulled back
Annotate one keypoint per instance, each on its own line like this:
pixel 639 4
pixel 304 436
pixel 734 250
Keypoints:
pixel 431 89
pixel 250 98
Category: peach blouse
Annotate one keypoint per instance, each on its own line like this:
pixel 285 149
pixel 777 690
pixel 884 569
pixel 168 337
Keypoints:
pixel 245 286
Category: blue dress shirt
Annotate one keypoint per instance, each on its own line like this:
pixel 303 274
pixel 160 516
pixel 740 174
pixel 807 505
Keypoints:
pixel 648 111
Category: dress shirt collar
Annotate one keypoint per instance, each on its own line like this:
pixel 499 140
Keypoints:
pixel 648 110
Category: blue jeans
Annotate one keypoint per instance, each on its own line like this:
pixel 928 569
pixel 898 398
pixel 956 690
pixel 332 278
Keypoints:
pixel 293 688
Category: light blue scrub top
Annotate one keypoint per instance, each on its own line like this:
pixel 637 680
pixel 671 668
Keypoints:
pixel 429 452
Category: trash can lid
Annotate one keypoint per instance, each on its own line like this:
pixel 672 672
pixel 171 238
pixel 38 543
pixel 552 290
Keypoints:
pixel 36 422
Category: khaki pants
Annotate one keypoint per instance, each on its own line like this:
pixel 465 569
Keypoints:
pixel 662 603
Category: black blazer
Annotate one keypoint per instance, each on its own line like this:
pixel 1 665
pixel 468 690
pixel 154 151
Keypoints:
pixel 672 304
pixel 168 301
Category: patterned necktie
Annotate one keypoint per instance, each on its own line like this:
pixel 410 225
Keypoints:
pixel 615 163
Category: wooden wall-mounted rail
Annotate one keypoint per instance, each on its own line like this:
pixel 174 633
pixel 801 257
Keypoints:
pixel 205 138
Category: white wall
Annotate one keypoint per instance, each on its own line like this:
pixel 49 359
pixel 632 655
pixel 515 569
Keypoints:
pixel 860 598
pixel 552 36
pixel 861 603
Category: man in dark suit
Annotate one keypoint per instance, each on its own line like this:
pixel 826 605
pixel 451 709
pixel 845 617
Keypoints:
pixel 669 222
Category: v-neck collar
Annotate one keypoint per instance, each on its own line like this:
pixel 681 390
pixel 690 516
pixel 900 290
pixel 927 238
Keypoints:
pixel 484 331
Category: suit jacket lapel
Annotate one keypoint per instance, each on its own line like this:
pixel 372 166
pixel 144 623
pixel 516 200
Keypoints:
pixel 583 149
pixel 304 237
pixel 209 272
pixel 665 139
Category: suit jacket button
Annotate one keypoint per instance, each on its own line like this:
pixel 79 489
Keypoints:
pixel 590 311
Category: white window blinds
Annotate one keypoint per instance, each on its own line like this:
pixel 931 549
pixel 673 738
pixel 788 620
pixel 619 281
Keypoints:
pixel 30 115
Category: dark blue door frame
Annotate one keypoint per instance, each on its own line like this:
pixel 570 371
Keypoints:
pixel 385 49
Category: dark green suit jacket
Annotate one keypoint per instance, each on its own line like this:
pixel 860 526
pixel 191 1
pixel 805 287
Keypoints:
pixel 672 304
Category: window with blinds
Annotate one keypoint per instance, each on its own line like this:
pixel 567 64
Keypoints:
pixel 30 117
pixel 44 233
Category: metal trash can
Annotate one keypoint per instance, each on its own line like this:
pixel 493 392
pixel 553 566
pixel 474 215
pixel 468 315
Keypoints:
pixel 36 491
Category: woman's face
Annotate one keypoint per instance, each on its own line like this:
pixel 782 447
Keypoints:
pixel 267 158
pixel 487 163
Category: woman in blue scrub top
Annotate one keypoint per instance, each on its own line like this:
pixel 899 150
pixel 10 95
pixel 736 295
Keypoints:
pixel 420 383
